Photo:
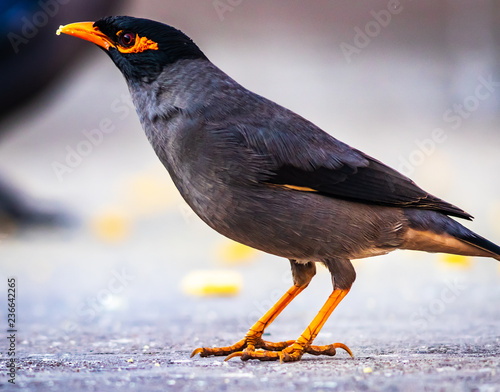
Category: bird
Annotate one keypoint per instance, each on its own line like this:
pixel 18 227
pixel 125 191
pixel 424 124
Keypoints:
pixel 268 178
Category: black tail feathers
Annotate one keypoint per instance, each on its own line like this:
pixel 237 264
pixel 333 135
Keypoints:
pixel 441 224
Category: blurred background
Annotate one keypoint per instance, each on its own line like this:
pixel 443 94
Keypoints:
pixel 97 235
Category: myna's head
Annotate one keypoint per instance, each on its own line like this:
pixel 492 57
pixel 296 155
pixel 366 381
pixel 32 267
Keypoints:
pixel 140 48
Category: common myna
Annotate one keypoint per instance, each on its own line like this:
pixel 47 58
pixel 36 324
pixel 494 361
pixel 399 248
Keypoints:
pixel 267 178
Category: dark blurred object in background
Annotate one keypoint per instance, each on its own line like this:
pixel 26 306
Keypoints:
pixel 30 60
pixel 15 206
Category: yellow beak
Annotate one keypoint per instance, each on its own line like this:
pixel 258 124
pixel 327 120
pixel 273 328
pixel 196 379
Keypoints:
pixel 88 32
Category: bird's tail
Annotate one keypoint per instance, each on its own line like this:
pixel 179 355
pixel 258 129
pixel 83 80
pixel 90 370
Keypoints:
pixel 431 231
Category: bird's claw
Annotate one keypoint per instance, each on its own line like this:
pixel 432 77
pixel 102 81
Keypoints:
pixel 329 349
pixel 248 344
pixel 219 351
pixel 289 351
pixel 199 350
pixel 235 354
pixel 288 354
pixel 292 353
pixel 261 355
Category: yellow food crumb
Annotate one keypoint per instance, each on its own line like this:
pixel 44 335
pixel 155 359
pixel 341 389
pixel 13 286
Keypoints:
pixel 111 226
pixel 233 253
pixel 148 194
pixel 367 370
pixel 455 261
pixel 130 360
pixel 212 283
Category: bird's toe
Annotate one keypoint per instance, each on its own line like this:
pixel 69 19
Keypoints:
pixel 329 349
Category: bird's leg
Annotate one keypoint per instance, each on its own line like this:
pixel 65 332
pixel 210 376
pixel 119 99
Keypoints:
pixel 303 345
pixel 343 275
pixel 253 338
pixel 302 275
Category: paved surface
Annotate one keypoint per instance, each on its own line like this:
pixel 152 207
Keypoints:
pixel 147 358
pixel 409 343
pixel 100 304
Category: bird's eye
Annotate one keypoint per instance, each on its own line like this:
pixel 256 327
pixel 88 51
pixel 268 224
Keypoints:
pixel 126 39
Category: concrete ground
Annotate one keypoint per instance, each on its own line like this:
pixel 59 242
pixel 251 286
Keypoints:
pixel 105 303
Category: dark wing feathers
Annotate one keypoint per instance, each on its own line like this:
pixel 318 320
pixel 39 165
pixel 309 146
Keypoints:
pixel 303 155
pixel 302 149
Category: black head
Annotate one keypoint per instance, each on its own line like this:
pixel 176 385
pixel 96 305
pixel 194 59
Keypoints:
pixel 140 48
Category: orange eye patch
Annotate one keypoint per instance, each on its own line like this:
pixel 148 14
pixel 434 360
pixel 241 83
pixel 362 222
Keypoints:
pixel 131 43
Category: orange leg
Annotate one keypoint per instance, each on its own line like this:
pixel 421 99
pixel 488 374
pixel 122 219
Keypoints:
pixel 303 344
pixel 253 338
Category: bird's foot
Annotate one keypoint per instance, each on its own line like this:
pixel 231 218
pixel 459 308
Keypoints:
pixel 291 353
pixel 249 343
